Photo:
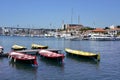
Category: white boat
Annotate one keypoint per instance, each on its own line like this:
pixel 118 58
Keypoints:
pixel 102 37
pixel 117 38
pixel 72 38
pixel 1 50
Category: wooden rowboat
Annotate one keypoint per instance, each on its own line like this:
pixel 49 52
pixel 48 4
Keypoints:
pixel 83 54
pixel 36 46
pixel 18 47
pixel 21 57
pixel 51 55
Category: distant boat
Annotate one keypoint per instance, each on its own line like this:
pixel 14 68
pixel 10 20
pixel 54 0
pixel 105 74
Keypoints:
pixel 51 55
pixel 72 38
pixel 103 37
pixel 1 50
pixel 18 47
pixel 20 57
pixel 36 46
pixel 83 54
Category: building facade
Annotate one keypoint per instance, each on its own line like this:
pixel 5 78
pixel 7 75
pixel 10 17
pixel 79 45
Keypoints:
pixel 72 27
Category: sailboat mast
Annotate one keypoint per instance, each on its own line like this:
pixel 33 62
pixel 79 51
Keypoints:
pixel 72 16
pixel 78 19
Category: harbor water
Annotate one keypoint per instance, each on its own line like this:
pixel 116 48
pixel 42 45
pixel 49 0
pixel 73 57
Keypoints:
pixel 73 68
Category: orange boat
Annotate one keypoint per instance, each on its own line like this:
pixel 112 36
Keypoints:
pixel 21 57
pixel 51 55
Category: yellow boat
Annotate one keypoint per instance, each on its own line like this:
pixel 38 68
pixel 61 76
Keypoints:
pixel 82 53
pixel 36 46
pixel 18 47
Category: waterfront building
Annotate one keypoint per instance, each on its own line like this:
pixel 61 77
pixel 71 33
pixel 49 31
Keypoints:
pixel 99 30
pixel 113 31
pixel 72 27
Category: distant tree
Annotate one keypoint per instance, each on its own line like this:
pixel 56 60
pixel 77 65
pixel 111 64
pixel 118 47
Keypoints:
pixel 118 33
pixel 86 28
pixel 118 26
pixel 107 28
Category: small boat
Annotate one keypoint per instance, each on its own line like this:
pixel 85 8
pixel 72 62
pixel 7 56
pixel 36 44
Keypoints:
pixel 51 55
pixel 18 47
pixel 102 37
pixel 1 50
pixel 21 57
pixel 83 54
pixel 36 46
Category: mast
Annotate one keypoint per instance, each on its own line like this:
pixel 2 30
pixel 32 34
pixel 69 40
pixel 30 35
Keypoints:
pixel 78 19
pixel 72 16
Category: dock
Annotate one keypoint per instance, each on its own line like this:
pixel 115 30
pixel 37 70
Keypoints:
pixel 31 51
pixel 37 50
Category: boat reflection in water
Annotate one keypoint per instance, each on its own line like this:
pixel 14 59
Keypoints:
pixel 21 65
pixel 51 62
pixel 25 69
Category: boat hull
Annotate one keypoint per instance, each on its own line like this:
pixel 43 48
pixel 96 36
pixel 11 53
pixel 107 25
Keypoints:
pixel 17 48
pixel 51 55
pixel 45 47
pixel 36 46
pixel 82 54
pixel 23 58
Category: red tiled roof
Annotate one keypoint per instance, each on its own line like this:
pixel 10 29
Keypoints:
pixel 99 30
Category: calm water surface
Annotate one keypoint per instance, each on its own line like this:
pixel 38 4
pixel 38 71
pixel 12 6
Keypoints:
pixel 73 68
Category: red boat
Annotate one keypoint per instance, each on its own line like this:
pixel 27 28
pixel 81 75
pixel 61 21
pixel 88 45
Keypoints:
pixel 21 57
pixel 51 55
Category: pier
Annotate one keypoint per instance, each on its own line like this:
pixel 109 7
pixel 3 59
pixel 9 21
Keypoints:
pixel 37 50
pixel 31 51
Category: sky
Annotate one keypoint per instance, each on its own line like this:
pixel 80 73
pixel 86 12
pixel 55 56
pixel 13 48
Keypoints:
pixel 53 13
